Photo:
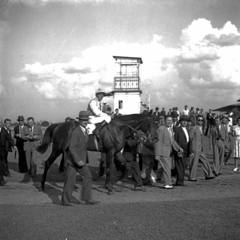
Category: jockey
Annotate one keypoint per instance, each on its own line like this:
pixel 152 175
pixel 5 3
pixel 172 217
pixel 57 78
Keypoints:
pixel 96 114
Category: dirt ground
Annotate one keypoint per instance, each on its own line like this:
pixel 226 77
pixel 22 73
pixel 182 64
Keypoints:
pixel 200 210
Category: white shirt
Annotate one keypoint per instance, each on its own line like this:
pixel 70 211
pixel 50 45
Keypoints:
pixel 95 107
pixel 186 133
pixel 185 112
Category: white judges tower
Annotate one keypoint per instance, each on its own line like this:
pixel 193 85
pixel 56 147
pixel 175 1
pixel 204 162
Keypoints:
pixel 127 93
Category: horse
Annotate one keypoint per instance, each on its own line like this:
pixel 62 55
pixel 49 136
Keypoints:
pixel 111 141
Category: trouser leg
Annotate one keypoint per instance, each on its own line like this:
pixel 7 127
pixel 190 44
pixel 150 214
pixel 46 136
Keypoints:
pixel 69 182
pixel 166 163
pixel 216 158
pixel 221 155
pixel 87 182
pixel 28 159
pixel 205 165
pixel 5 168
pixel 1 169
pixel 193 165
pixel 180 169
pixel 136 175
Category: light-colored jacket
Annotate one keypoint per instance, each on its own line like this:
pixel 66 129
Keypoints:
pixel 196 139
pixel 165 145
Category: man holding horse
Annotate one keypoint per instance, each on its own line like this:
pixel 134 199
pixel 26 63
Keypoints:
pixel 96 113
pixel 76 162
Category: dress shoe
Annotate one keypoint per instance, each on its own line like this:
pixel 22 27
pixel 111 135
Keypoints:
pixel 192 179
pixel 66 204
pixel 90 202
pixel 209 178
pixel 140 188
pixel 168 187
pixel 3 183
pixel 179 184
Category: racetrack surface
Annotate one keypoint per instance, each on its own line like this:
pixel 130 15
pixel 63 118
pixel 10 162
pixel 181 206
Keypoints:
pixel 202 210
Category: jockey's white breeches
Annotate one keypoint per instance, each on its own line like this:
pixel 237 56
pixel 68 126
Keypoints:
pixel 95 119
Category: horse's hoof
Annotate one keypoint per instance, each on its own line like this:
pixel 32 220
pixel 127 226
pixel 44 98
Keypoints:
pixel 110 193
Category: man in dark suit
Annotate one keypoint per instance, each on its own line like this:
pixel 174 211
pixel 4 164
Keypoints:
pixel 164 150
pixel 18 133
pixel 197 153
pixel 6 145
pixel 76 162
pixel 156 115
pixel 32 135
pixel 181 136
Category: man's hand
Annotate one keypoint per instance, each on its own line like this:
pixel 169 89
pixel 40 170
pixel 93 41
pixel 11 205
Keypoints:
pixel 192 155
pixel 80 163
pixel 210 146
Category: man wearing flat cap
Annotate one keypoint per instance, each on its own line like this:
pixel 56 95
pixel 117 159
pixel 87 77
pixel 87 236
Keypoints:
pixel 76 162
pixel 96 112
pixel 18 133
pixel 181 136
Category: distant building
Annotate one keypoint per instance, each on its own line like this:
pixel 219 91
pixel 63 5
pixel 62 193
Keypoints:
pixel 127 92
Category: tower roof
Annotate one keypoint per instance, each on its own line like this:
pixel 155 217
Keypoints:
pixel 139 60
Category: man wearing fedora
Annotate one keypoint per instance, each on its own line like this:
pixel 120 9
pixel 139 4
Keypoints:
pixel 76 162
pixel 96 112
pixel 18 133
pixel 181 136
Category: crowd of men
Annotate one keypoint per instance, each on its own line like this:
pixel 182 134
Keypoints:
pixel 27 138
pixel 175 145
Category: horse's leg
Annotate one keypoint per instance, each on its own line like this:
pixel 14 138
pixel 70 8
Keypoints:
pixel 109 166
pixel 48 164
pixel 121 165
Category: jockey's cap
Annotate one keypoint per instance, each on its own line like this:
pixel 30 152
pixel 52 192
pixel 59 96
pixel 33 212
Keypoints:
pixel 100 91
pixel 83 115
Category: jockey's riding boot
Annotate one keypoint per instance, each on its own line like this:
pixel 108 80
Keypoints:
pixel 97 130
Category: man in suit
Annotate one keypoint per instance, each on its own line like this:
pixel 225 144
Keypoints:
pixel 117 113
pixel 156 115
pixel 181 136
pixel 76 162
pixel 32 135
pixel 217 145
pixel 164 150
pixel 223 128
pixel 6 145
pixel 197 153
pixel 18 133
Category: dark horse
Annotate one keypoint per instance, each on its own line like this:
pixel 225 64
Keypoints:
pixel 112 140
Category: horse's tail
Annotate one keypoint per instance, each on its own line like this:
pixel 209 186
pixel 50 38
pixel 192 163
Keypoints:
pixel 47 138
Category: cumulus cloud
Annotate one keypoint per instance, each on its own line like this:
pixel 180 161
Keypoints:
pixel 205 64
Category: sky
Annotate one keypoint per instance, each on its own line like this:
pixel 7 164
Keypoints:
pixel 55 54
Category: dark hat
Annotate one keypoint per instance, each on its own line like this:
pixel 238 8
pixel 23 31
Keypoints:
pixel 83 115
pixel 174 114
pixel 184 118
pixel 20 118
